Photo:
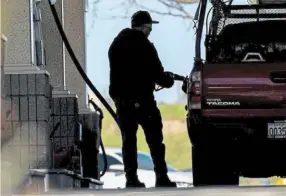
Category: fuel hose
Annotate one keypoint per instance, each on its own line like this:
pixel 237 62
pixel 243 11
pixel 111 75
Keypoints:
pixel 84 76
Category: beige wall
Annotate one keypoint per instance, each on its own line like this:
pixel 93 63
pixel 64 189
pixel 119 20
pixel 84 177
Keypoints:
pixel 75 31
pixel 16 25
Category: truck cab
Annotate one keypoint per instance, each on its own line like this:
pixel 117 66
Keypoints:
pixel 237 94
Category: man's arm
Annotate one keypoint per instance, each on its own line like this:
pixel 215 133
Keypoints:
pixel 161 77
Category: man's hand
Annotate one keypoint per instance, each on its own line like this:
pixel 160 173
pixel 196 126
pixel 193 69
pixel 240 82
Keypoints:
pixel 169 79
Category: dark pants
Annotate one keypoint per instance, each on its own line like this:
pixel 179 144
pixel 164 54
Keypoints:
pixel 148 116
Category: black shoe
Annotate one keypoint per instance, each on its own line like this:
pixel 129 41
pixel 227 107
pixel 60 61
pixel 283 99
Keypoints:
pixel 134 183
pixel 165 182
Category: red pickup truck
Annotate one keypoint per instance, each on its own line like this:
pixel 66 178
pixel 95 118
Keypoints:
pixel 237 97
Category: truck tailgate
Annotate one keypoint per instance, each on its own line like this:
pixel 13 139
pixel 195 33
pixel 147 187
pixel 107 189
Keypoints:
pixel 244 90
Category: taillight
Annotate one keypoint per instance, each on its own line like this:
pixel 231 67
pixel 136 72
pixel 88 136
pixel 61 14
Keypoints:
pixel 196 76
pixel 196 99
pixel 195 90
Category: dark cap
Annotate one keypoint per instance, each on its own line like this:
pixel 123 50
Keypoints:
pixel 142 17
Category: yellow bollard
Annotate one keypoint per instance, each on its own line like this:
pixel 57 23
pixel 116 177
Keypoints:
pixel 277 181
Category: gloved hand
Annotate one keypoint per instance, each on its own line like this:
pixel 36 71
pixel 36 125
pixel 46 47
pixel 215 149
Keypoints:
pixel 169 79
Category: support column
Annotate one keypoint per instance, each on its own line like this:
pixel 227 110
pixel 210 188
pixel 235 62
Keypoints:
pixel 54 47
pixel 74 25
pixel 27 94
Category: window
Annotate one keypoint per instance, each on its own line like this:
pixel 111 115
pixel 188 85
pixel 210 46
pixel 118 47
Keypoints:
pixel 110 161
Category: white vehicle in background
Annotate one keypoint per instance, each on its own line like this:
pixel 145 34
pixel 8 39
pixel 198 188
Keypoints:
pixel 115 176
pixel 187 171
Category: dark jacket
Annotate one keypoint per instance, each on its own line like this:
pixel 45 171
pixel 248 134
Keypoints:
pixel 135 67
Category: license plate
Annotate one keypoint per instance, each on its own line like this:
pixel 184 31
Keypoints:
pixel 277 130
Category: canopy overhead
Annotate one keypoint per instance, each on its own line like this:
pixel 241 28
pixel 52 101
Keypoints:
pixel 271 1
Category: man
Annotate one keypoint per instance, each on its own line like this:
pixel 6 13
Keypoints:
pixel 135 68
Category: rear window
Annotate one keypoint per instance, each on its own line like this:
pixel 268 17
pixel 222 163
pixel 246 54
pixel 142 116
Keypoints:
pixel 236 42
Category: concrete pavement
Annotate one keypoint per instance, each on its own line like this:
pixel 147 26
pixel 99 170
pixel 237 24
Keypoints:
pixel 210 191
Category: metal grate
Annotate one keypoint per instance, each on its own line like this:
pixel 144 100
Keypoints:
pixel 224 15
pixel 236 30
